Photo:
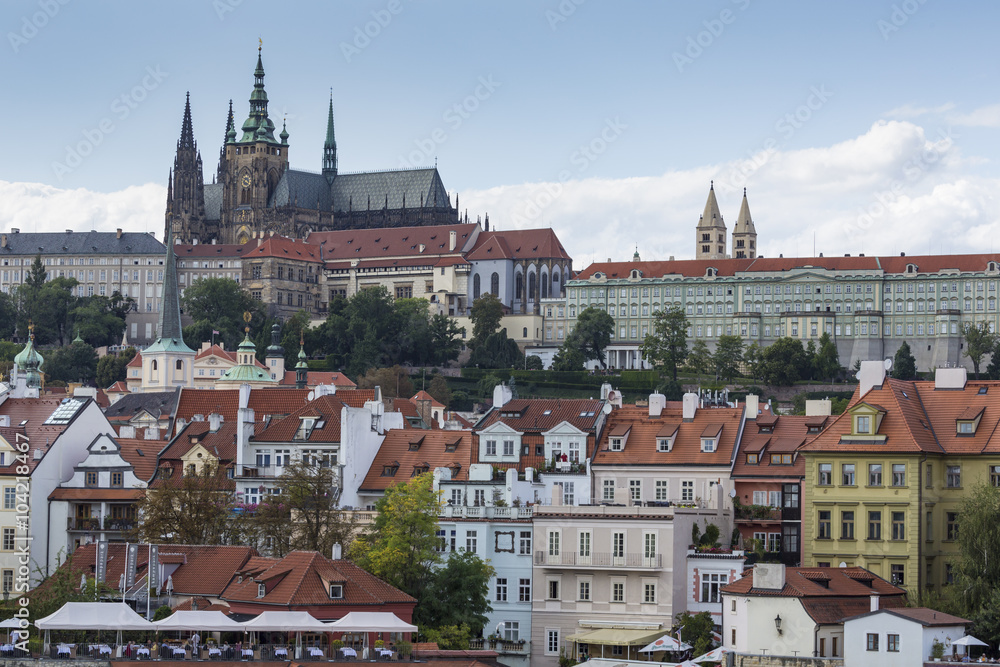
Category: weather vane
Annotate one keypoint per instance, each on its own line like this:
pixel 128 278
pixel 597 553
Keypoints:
pixel 246 318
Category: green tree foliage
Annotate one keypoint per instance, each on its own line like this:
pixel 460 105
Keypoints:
pixel 728 357
pixel 487 384
pixel 400 545
pixel 699 360
pixel 46 305
pixel 979 341
pixel 487 312
pixel 187 509
pixel 751 360
pixel 218 304
pixel 696 630
pixel 318 522
pixel 449 637
pixel 568 358
pixel 672 390
pixel 394 382
pixel 783 362
pixel 74 363
pixel 8 315
pixel 826 363
pixel 977 571
pixel 63 586
pixel 438 388
pixel 100 320
pixel 592 333
pixel 457 594
pixel 904 366
pixel 445 340
pixel 533 363
pixel 111 368
pixel 666 347
pixel 497 351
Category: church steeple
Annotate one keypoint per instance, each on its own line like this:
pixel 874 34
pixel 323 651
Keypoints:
pixel 168 362
pixel 168 325
pixel 228 138
pixel 187 133
pixel 744 232
pixel 258 126
pixel 185 216
pixel 711 230
pixel 330 146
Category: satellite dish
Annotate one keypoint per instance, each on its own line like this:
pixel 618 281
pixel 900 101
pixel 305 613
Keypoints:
pixel 887 364
pixel 732 493
pixel 842 563
pixel 607 408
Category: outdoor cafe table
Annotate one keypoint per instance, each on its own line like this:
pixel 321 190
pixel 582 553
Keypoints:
pixel 64 649
pixel 316 652
pixel 349 652
pixel 280 650
pixel 214 651
pixel 141 651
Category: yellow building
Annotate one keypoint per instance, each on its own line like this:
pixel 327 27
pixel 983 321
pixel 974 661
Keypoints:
pixel 885 481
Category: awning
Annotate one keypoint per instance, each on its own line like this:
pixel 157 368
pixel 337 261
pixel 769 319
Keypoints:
pixel 287 621
pixel 616 637
pixel 371 621
pixel 198 620
pixel 94 616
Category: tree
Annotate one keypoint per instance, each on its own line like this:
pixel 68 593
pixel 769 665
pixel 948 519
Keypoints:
pixel 309 493
pixel 394 382
pixel 497 351
pixel 73 363
pixel 977 571
pixel 112 368
pixel 487 312
pixel 457 594
pixel 187 509
pixel 666 347
pixel 782 362
pixel 979 341
pixel 218 304
pixel 446 341
pixel 904 366
pixel 808 368
pixel 438 388
pixel 487 384
pixel 568 358
pixel 728 356
pixel 699 360
pixel 696 630
pixel 826 363
pixel 592 333
pixel 400 545
pixel 751 359
pixel 533 362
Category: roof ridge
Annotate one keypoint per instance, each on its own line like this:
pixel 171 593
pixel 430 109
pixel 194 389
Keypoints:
pixel 923 409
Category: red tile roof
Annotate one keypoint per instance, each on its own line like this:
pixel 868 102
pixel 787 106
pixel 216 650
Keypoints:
pixel 392 242
pixel 285 248
pixel 118 387
pixel 28 416
pixel 302 578
pixel 264 401
pixel 431 452
pixel 424 396
pixel 518 244
pixel 537 415
pixel 922 615
pixel 141 454
pixel 325 410
pixel 316 378
pixel 640 446
pixel 96 494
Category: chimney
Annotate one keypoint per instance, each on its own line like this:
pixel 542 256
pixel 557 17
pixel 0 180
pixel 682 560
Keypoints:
pixel 557 495
pixel 819 408
pixel 118 233
pixel 690 406
pixel 950 378
pixel 3 240
pixel 874 602
pixel 4 420
pixel 337 552
pixel 152 433
pixel 752 406
pixel 656 404
pixel 769 576
pixel 622 496
pixel 244 428
pixel 452 240
pixel 501 395
pixel 872 374
pixel 15 230
pixel 214 422
pixel 123 431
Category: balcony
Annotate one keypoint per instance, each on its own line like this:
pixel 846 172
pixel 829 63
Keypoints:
pixel 259 472
pixel 758 514
pixel 628 561
pixel 487 512
pixel 96 524
pixel 519 647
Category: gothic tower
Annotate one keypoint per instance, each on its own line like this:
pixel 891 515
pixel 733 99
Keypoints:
pixel 168 362
pixel 744 233
pixel 254 165
pixel 185 216
pixel 711 231
pixel 330 147
pixel 230 129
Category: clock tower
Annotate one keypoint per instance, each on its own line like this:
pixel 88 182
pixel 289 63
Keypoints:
pixel 253 166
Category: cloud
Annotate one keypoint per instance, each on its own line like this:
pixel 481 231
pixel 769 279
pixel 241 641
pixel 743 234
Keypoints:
pixel 898 187
pixel 36 207
pixel 910 111
pixel 988 116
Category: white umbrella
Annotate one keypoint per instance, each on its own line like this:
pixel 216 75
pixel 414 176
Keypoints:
pixel 665 643
pixel 715 655
pixel 969 640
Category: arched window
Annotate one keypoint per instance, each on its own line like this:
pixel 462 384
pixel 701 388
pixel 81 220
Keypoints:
pixel 152 365
pixel 179 365
pixel 245 197
pixel 525 333
pixel 531 286
pixel 519 286
pixel 495 284
pixel 475 287
pixel 545 286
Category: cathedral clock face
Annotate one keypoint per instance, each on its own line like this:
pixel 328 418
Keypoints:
pixel 245 180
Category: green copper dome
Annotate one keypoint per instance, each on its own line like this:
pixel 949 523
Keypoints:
pixel 247 370
pixel 30 362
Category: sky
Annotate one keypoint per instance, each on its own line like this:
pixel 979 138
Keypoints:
pixel 857 126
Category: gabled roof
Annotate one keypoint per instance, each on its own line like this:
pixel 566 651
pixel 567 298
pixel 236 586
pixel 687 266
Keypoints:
pixel 37 418
pixel 82 243
pixel 159 404
pixel 424 396
pixel 431 452
pixel 264 401
pixel 141 455
pixel 388 242
pixel 316 378
pixel 302 578
pixel 640 448
pixel 221 443
pixel 922 615
pixel 518 244
pixel 284 248
pixel 395 189
pixel 537 415
pixel 787 434
pixel 325 413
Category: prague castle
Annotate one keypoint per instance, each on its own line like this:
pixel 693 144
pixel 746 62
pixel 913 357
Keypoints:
pixel 255 192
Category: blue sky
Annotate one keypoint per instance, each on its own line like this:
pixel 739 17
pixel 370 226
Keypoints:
pixel 872 125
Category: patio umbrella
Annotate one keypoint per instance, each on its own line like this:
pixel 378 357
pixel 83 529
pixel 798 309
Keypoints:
pixel 715 655
pixel 665 643
pixel 967 641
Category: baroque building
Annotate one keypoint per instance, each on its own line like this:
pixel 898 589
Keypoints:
pixel 255 192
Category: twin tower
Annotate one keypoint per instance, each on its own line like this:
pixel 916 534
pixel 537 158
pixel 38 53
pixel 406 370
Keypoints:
pixel 711 232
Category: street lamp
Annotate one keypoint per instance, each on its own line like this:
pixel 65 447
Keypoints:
pixel 777 623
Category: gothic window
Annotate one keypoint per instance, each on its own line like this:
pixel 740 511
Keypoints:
pixel 245 197
pixel 519 286
pixel 475 287
pixel 531 286
pixel 545 287
pixel 495 284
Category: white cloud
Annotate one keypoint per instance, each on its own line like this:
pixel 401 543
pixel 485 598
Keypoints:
pixel 911 111
pixel 988 116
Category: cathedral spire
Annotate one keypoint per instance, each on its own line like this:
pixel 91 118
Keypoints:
pixel 168 326
pixel 258 126
pixel 711 230
pixel 744 232
pixel 330 146
pixel 230 125
pixel 187 132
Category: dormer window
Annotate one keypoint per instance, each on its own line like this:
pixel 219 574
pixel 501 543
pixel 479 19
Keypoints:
pixel 616 444
pixel 390 470
pixel 306 425
pixel 336 591
pixel 967 422
pixel 966 428
pixel 752 459
pixel 617 437
pixel 420 470
pixel 491 448
pixel 415 443
pixel 710 438
pixel 708 445
pixel 452 445
pixel 261 590
pixel 665 438
pixel 663 444
pixel 862 424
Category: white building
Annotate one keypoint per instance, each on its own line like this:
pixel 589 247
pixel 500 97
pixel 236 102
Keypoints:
pixel 900 637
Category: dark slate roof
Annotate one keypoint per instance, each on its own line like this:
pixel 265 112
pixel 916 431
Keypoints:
pixel 213 201
pixel 82 243
pixel 353 191
pixel 156 403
